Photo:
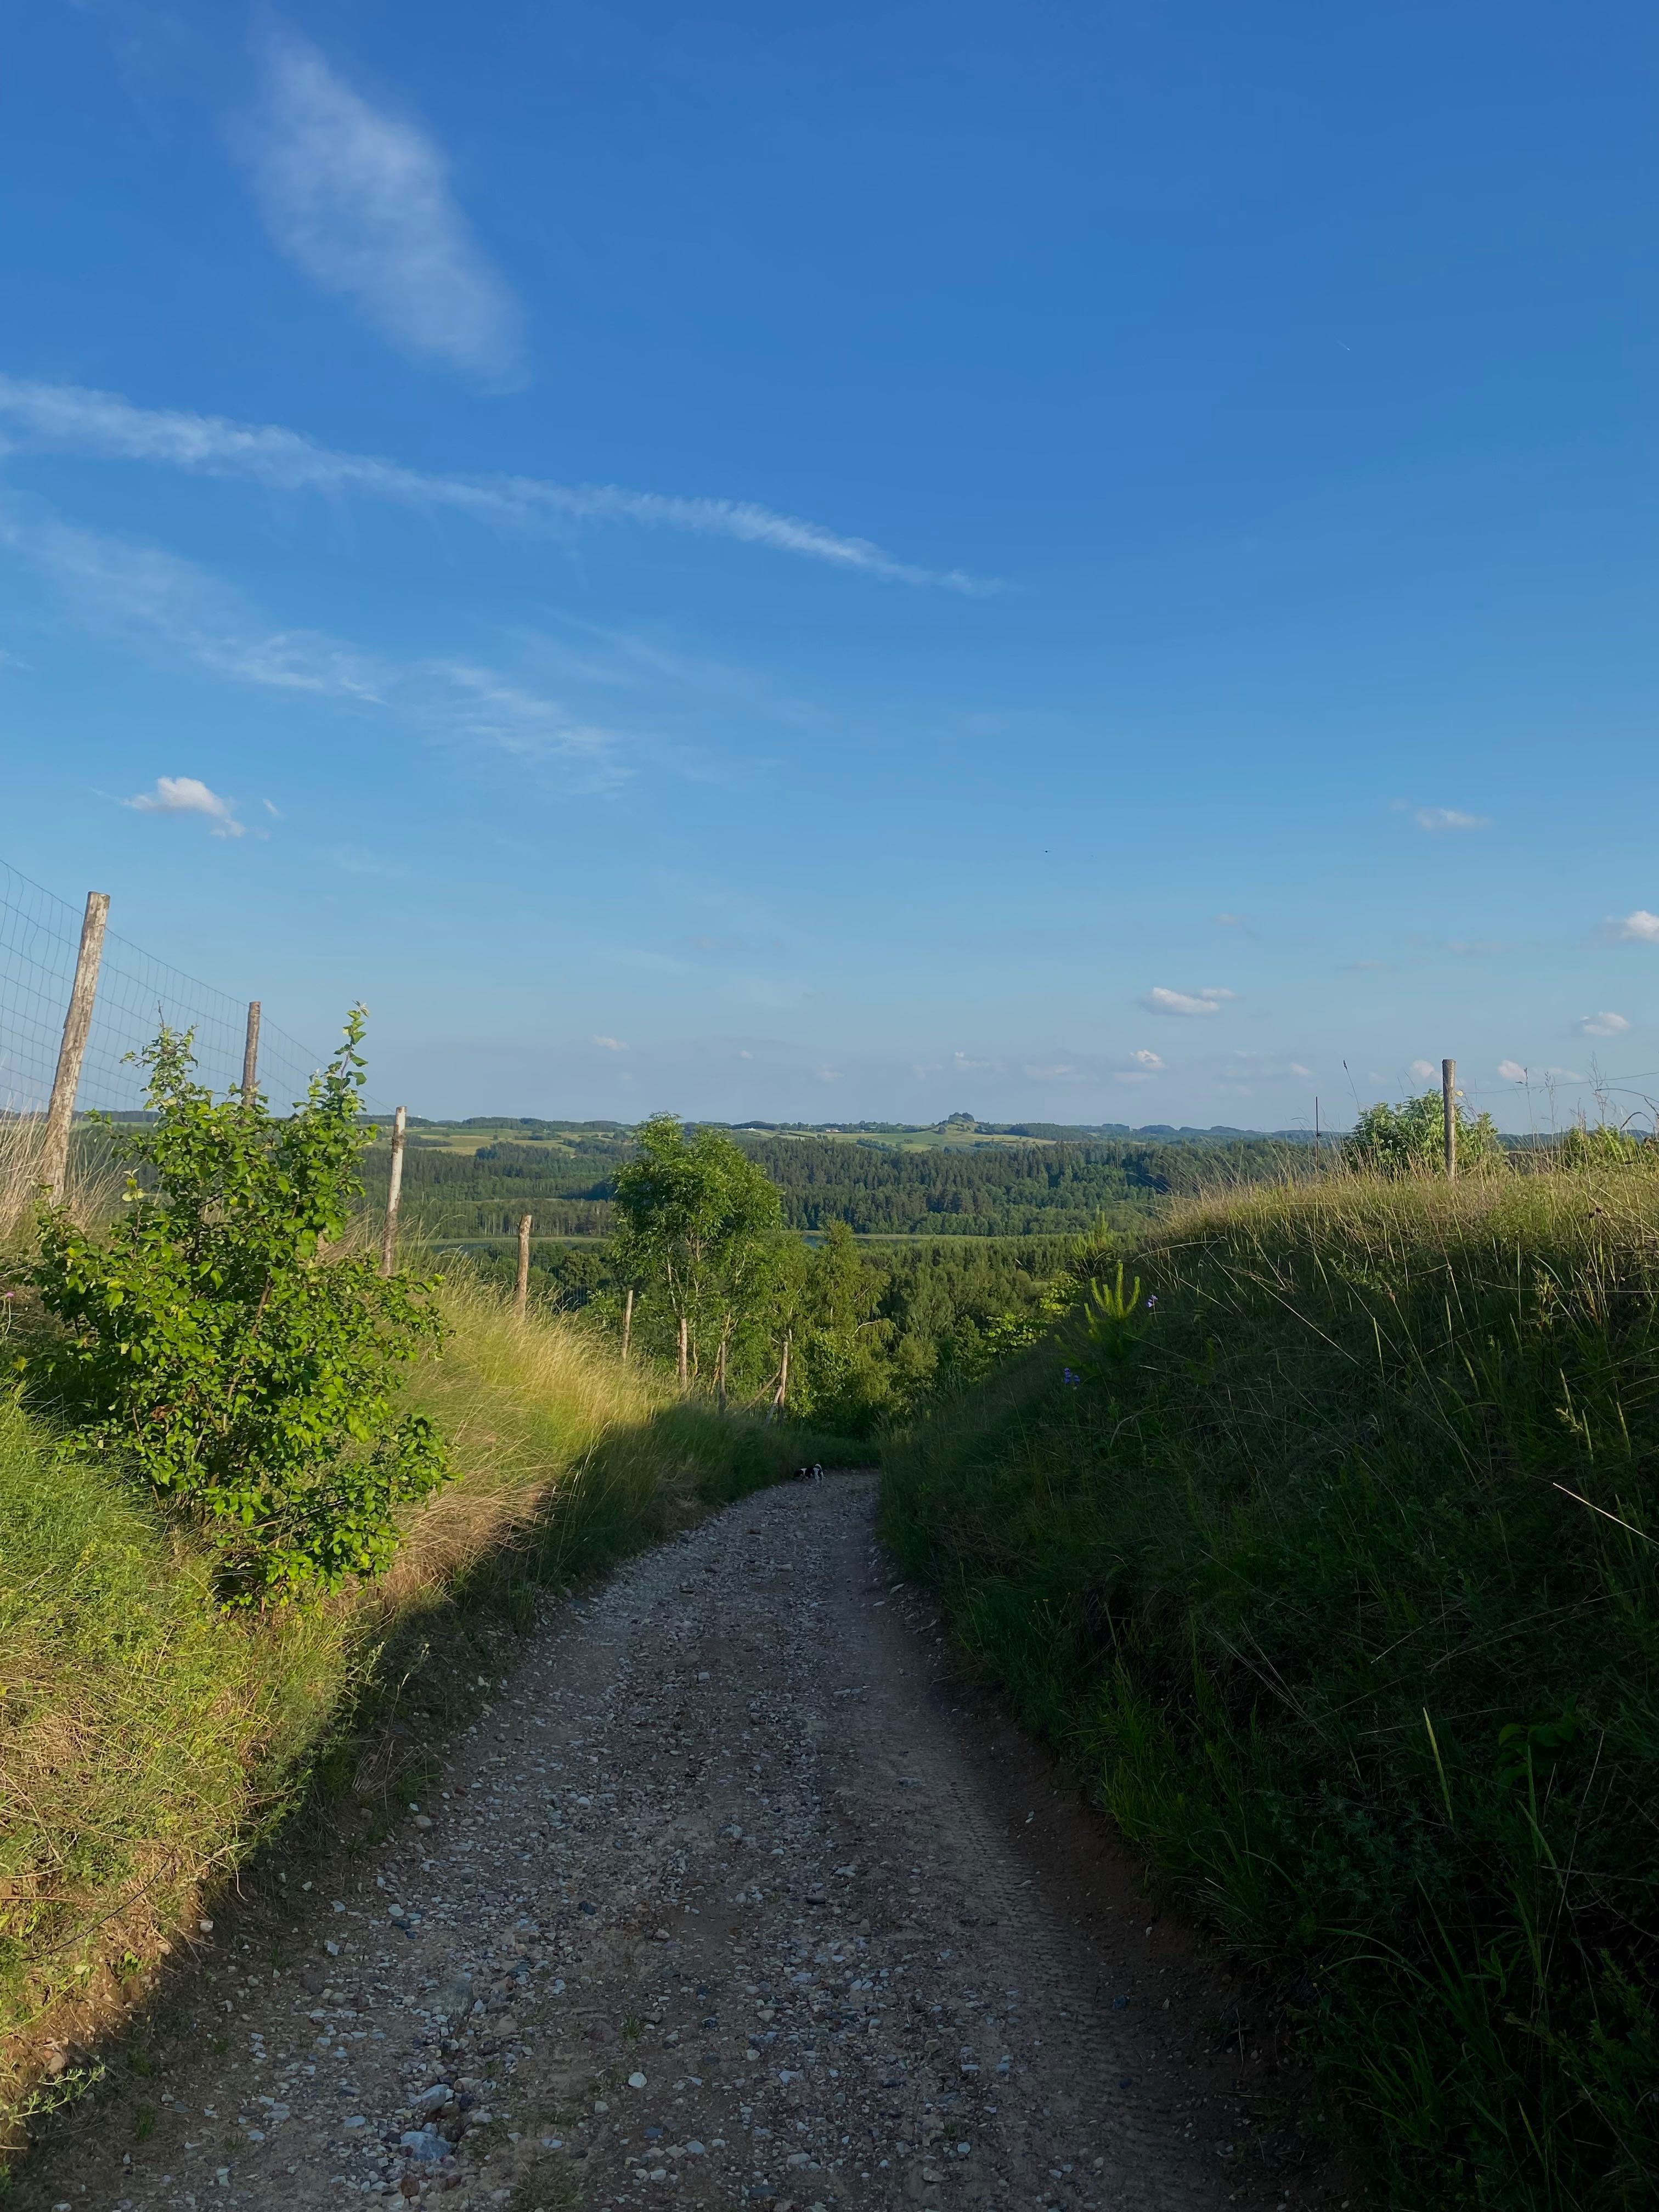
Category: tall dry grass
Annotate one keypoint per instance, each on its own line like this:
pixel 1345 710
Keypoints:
pixel 93 1181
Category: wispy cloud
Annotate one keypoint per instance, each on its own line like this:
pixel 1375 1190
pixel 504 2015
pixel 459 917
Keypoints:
pixel 142 595
pixel 1148 1060
pixel 1512 1071
pixel 1639 928
pixel 614 1044
pixel 1434 818
pixel 188 795
pixel 358 860
pixel 73 418
pixel 1158 1001
pixel 360 199
pixel 1601 1025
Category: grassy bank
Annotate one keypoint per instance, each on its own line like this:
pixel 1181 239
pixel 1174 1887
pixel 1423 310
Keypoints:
pixel 1292 1574
pixel 148 1739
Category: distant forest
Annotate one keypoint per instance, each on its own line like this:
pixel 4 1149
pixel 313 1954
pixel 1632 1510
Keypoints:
pixel 886 1185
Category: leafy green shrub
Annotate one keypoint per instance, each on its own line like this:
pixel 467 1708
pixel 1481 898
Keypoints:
pixel 213 1339
pixel 1605 1144
pixel 1410 1138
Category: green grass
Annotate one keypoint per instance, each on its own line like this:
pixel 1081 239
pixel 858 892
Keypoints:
pixel 148 1740
pixel 1292 1575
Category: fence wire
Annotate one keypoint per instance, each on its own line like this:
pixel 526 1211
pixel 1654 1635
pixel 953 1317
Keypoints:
pixel 40 939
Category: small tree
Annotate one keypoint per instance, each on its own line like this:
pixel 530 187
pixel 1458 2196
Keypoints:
pixel 1410 1138
pixel 213 1339
pixel 697 1218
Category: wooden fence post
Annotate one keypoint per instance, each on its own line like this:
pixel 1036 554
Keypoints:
pixel 685 1332
pixel 1449 1107
pixel 394 1192
pixel 250 1055
pixel 521 1289
pixel 54 1151
pixel 628 1321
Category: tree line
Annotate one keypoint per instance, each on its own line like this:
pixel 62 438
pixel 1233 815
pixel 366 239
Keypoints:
pixel 871 1184
pixel 705 1273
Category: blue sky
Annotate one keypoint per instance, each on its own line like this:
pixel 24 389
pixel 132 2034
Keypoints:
pixel 1071 563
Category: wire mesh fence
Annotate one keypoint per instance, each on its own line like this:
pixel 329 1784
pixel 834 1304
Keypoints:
pixel 39 938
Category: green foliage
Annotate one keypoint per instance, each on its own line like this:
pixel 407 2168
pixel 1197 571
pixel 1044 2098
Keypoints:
pixel 1410 1138
pixel 1111 1319
pixel 142 1727
pixel 213 1341
pixel 456 1190
pixel 1592 1145
pixel 1306 1589
pixel 697 1220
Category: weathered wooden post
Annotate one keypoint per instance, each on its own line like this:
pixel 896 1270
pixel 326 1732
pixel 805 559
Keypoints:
pixel 777 1405
pixel 521 1289
pixel 1449 1107
pixel 686 1363
pixel 628 1321
pixel 250 1055
pixel 394 1192
pixel 60 1115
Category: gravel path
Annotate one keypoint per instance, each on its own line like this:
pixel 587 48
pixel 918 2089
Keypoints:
pixel 724 1900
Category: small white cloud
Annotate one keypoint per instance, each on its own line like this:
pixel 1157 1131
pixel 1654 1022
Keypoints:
pixel 361 200
pixel 1422 1069
pixel 272 809
pixel 1229 921
pixel 1602 1025
pixel 1147 1060
pixel 1639 928
pixel 1512 1071
pixel 745 1055
pixel 1158 1001
pixel 1297 1068
pixel 829 1075
pixel 1449 817
pixel 615 1044
pixel 188 795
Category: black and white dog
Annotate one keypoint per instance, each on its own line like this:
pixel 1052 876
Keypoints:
pixel 813 1473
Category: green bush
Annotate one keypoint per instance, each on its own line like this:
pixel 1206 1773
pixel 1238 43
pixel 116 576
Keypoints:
pixel 1335 1573
pixel 1605 1144
pixel 215 1342
pixel 1410 1138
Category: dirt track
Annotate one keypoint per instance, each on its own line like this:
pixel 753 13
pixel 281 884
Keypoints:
pixel 725 1899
